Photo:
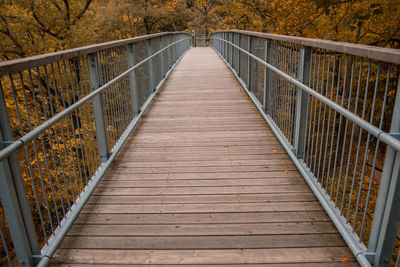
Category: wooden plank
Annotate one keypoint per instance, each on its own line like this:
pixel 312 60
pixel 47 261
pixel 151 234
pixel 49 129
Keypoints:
pixel 230 130
pixel 205 190
pixel 200 138
pixel 219 163
pixel 191 157
pixel 236 198
pixel 193 114
pixel 206 256
pixel 202 175
pixel 195 129
pixel 190 169
pixel 202 218
pixel 201 208
pixel 202 182
pixel 203 242
pixel 227 153
pixel 222 148
pixel 239 124
pixel 209 123
pixel 241 134
pixel 307 264
pixel 204 229
pixel 202 143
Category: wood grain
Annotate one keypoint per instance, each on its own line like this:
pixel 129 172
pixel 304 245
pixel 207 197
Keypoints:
pixel 202 181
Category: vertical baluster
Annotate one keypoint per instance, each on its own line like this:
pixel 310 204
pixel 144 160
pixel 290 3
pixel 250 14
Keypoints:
pixel 132 81
pixel 101 135
pixel 13 197
pixel 225 45
pixel 162 61
pixel 232 51
pixel 302 102
pixel 174 49
pixel 387 210
pixel 249 61
pixel 150 73
pixel 324 167
pixel 267 76
pixel 238 55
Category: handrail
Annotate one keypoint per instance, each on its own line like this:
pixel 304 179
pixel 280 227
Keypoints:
pixel 63 118
pixel 16 65
pixel 368 51
pixel 385 137
pixel 320 98
pixel 15 145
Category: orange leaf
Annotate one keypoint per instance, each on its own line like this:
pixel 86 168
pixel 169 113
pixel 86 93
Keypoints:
pixel 286 171
pixel 226 145
pixel 274 151
pixel 346 260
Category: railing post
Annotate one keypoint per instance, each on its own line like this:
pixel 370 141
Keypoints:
pixel 228 50
pixel 132 80
pixel 223 45
pixel 254 68
pixel 13 199
pixel 267 76
pixel 221 49
pixel 231 49
pixel 173 50
pixel 218 42
pixel 168 53
pixel 99 120
pixel 387 210
pixel 162 57
pixel 302 102
pixel 150 73
pixel 249 71
pixel 157 66
pixel 238 53
pixel 180 46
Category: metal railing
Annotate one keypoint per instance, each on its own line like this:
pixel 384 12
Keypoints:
pixel 63 118
pixel 202 41
pixel 335 107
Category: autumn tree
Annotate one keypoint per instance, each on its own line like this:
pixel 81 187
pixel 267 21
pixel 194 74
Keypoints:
pixel 371 22
pixel 29 27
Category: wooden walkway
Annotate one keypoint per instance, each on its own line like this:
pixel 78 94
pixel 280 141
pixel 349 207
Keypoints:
pixel 203 181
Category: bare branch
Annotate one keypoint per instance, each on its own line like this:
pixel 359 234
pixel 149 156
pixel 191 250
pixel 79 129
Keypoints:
pixel 68 11
pixel 83 11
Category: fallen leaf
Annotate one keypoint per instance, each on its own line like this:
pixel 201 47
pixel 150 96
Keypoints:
pixel 274 151
pixel 226 145
pixel 286 171
pixel 346 260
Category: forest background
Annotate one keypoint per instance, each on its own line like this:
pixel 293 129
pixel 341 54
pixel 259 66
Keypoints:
pixel 30 27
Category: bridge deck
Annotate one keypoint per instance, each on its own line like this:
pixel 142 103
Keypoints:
pixel 203 181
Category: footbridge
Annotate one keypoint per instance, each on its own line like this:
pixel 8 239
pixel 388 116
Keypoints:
pixel 250 149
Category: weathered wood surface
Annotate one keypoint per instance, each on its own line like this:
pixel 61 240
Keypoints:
pixel 203 182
